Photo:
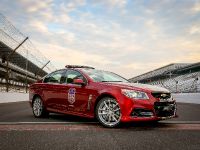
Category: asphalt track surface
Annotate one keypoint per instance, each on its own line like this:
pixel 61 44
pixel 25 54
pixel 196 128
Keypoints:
pixel 20 130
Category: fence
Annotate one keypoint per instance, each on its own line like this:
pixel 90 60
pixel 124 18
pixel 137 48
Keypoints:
pixel 29 54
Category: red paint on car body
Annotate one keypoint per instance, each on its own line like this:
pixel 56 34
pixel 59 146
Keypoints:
pixel 55 97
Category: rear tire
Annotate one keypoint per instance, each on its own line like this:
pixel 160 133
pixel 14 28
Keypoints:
pixel 108 112
pixel 38 108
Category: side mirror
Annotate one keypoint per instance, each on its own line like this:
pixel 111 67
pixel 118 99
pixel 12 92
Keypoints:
pixel 79 81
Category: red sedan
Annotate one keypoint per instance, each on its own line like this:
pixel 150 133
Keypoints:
pixel 88 92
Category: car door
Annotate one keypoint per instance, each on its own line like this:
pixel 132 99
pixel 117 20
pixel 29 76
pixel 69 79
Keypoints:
pixel 54 91
pixel 78 95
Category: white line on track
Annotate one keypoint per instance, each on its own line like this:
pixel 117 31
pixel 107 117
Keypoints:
pixel 181 122
pixel 67 122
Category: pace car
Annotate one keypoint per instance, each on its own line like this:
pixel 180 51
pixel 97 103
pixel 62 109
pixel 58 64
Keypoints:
pixel 88 92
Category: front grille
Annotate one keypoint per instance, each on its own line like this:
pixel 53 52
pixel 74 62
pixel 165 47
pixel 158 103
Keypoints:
pixel 161 95
pixel 165 109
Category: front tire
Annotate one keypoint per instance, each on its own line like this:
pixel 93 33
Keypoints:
pixel 38 108
pixel 108 112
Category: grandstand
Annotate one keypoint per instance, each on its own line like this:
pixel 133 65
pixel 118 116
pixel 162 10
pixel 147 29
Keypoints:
pixel 178 77
pixel 21 63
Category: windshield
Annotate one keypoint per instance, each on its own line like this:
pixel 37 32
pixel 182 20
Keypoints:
pixel 104 76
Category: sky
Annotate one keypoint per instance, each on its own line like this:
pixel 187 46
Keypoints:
pixel 128 37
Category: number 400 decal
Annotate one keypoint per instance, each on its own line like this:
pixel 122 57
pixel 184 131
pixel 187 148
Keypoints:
pixel 72 95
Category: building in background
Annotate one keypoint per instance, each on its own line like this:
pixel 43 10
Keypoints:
pixel 177 77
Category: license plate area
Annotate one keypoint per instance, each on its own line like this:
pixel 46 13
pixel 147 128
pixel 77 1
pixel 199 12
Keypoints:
pixel 165 109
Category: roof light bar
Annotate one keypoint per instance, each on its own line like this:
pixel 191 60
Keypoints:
pixel 77 66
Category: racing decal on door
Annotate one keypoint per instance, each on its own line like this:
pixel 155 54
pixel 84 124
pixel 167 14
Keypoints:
pixel 72 95
pixel 89 102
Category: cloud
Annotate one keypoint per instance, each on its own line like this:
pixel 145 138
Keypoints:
pixel 196 7
pixel 152 28
pixel 195 29
pixel 118 3
pixel 64 56
pixel 34 6
pixel 95 32
pixel 111 3
pixel 39 26
pixel 38 9
pixel 70 5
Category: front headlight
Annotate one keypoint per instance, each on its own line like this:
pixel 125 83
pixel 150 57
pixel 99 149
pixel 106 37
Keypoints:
pixel 134 94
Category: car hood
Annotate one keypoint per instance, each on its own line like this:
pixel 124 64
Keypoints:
pixel 148 87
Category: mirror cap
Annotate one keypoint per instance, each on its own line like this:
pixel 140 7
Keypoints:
pixel 78 81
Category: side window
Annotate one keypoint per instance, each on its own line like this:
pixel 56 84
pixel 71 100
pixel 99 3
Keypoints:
pixel 55 77
pixel 73 74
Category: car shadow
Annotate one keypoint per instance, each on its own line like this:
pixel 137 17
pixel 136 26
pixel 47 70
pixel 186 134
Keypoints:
pixel 69 118
pixel 145 125
pixel 93 122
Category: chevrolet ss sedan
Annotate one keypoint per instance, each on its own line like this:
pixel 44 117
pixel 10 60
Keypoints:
pixel 111 99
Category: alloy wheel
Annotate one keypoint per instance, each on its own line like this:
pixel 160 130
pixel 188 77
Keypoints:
pixel 37 107
pixel 109 112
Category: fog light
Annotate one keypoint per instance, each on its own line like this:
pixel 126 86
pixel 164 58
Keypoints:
pixel 146 113
pixel 139 112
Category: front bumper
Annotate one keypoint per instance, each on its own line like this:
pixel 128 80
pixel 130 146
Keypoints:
pixel 157 111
